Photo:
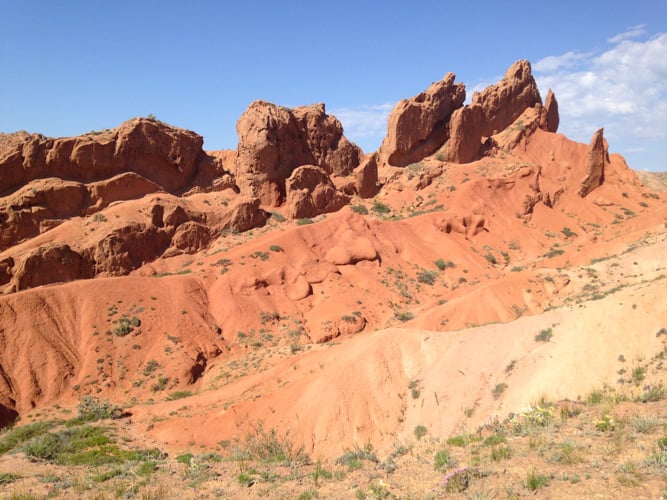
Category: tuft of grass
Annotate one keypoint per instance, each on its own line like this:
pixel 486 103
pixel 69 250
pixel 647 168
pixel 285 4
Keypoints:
pixel 353 459
pixel 501 452
pixel 179 395
pixel 271 447
pixel 8 477
pixel 535 481
pixel 443 460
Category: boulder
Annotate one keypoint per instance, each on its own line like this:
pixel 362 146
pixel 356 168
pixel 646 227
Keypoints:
pixel 245 214
pixel 310 192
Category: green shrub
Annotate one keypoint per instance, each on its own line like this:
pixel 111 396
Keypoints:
pixel 499 389
pixel 420 431
pixel 276 248
pixel 544 335
pixel 443 264
pixel 304 222
pixel 499 453
pixel 568 232
pixel 269 446
pixel 179 395
pixel 14 436
pixel 91 409
pixel 353 458
pixel 404 316
pixel 359 209
pixel 380 208
pixel 427 276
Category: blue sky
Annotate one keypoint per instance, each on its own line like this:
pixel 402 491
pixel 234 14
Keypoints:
pixel 74 66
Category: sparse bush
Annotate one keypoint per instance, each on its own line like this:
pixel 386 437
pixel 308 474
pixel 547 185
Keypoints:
pixel 499 389
pixel 92 409
pixel 359 209
pixel 568 232
pixel 653 393
pixel 304 222
pixel 150 367
pixel 352 459
pixel 491 258
pixel 380 208
pixel 443 264
pixel 404 316
pixel 544 335
pixel 420 431
pixel 276 248
pixel 427 276
pixel 269 446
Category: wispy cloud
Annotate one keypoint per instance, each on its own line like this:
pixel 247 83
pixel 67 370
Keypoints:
pixel 366 125
pixel 632 32
pixel 623 89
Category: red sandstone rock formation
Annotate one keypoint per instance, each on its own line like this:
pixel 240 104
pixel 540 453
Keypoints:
pixel 417 127
pixel 273 141
pixel 596 157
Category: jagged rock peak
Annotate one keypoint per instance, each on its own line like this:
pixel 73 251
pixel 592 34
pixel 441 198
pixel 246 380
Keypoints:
pixel 417 127
pixel 596 157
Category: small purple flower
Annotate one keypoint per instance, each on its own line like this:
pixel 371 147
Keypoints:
pixel 454 473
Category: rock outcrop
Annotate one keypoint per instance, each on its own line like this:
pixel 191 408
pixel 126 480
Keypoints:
pixel 492 111
pixel 310 192
pixel 551 116
pixel 596 157
pixel 417 127
pixel 166 155
pixel 50 264
pixel 274 140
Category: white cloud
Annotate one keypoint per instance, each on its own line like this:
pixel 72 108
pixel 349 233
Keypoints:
pixel 553 63
pixel 623 89
pixel 366 124
pixel 632 32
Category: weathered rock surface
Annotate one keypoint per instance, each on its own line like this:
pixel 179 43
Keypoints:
pixel 417 127
pixel 310 192
pixel 492 111
pixel 50 264
pixel 273 141
pixel 596 157
pixel 166 155
pixel 552 118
